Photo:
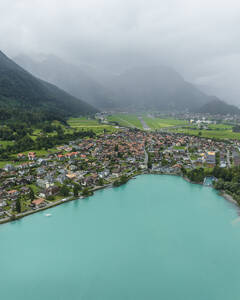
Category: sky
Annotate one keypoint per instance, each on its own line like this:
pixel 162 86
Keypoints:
pixel 199 39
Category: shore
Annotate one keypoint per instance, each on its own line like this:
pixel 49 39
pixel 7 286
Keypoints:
pixel 65 200
pixel 50 205
pixel 228 198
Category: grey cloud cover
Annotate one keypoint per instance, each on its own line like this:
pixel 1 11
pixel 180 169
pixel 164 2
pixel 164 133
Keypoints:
pixel 200 39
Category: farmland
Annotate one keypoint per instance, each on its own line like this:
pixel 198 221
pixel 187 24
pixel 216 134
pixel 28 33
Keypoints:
pixel 158 123
pixel 89 124
pixel 126 120
pixel 217 134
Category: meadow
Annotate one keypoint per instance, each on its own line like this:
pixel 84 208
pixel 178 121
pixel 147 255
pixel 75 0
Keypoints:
pixel 89 124
pixel 126 120
pixel 159 123
pixel 217 133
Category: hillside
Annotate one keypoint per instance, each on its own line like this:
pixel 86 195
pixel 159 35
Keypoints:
pixel 216 106
pixel 136 89
pixel 69 77
pixel 155 88
pixel 19 89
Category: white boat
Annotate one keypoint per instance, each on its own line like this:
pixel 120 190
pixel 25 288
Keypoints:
pixel 48 215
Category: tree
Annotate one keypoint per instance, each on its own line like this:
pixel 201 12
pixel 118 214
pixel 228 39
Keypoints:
pixel 76 189
pixel 217 158
pixel 123 179
pixel 19 205
pixel 64 191
pixel 149 163
pixel 31 194
pixel 87 192
pixel 101 181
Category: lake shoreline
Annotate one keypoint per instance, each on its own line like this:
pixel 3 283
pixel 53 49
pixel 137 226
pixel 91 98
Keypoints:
pixel 223 194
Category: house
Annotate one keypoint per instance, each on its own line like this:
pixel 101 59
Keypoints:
pixel 12 194
pixel 2 204
pixel 40 202
pixel 21 156
pixel 42 161
pixel 24 190
pixel 40 171
pixel 31 155
pixel 61 157
pixel 61 178
pixel 51 191
pixel 223 164
pixel 72 168
pixel 71 176
pixel 9 168
pixel 88 181
pixel 71 155
pixel 104 173
pixel 236 158
pixel 44 184
pixel 210 159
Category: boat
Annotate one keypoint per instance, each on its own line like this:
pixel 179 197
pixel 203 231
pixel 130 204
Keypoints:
pixel 48 215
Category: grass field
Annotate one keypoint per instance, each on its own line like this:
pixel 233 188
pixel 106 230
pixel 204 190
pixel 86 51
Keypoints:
pixel 220 126
pixel 157 123
pixel 127 120
pixel 218 131
pixel 218 134
pixel 90 124
pixel 5 143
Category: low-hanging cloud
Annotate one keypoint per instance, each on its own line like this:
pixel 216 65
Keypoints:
pixel 200 39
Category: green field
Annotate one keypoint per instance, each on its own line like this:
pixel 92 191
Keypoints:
pixel 220 126
pixel 89 124
pixel 218 134
pixel 218 131
pixel 126 120
pixel 158 123
pixel 5 143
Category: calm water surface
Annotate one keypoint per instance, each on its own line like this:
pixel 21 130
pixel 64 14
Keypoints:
pixel 158 237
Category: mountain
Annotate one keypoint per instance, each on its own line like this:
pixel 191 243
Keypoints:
pixel 136 89
pixel 155 88
pixel 69 77
pixel 20 89
pixel 216 106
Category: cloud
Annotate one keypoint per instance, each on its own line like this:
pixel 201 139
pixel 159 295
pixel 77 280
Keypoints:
pixel 198 38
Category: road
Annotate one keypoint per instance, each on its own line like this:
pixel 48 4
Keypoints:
pixel 144 124
pixel 146 158
pixel 228 159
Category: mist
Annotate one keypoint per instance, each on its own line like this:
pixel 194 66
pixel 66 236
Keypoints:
pixel 199 39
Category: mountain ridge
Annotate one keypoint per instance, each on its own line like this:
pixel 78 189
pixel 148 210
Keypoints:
pixel 156 87
pixel 216 106
pixel 69 77
pixel 19 88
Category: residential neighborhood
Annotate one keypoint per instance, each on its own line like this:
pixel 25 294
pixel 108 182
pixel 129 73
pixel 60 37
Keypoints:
pixel 80 167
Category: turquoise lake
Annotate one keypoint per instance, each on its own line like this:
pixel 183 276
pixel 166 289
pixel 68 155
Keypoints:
pixel 157 237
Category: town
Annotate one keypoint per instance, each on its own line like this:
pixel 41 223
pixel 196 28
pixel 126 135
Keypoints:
pixel 80 167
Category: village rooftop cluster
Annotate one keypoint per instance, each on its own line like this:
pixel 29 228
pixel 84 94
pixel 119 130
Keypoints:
pixel 83 166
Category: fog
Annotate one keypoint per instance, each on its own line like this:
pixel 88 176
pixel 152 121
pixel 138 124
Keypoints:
pixel 199 39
